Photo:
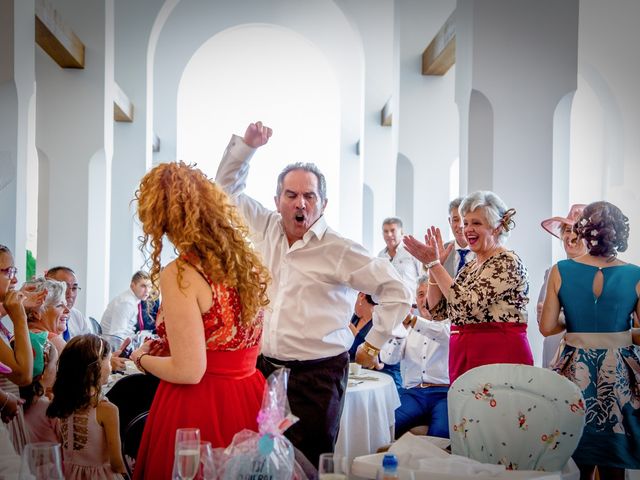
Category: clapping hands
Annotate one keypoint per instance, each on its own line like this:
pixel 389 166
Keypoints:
pixel 432 249
pixel 257 134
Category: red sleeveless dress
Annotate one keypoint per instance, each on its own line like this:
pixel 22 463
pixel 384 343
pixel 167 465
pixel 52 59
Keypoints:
pixel 226 400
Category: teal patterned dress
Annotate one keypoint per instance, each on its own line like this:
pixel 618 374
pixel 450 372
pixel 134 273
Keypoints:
pixel 601 360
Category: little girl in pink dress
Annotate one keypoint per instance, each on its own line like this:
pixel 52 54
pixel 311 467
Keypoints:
pixel 41 427
pixel 88 425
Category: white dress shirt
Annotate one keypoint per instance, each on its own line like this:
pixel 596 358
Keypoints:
pixel 78 324
pixel 423 355
pixel 121 316
pixel 314 282
pixel 408 266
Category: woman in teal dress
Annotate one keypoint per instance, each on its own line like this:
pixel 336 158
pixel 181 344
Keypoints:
pixel 599 295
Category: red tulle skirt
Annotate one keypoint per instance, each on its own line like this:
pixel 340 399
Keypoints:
pixel 226 400
pixel 479 344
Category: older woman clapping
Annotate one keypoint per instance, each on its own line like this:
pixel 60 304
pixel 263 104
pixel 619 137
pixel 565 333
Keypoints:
pixel 487 300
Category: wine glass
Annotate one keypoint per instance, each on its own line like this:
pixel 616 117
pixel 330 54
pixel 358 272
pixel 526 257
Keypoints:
pixel 332 467
pixel 41 461
pixel 187 453
pixel 207 462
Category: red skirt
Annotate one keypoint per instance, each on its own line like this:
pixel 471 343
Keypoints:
pixel 477 344
pixel 226 400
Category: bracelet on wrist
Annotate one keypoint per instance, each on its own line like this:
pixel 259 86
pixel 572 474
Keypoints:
pixel 432 283
pixel 138 365
pixel 370 349
pixel 432 264
pixel 6 400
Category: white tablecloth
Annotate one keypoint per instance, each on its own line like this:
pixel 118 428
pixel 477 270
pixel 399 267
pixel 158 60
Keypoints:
pixel 130 369
pixel 368 416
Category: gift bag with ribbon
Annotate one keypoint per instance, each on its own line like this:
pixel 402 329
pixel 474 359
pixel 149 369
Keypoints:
pixel 267 454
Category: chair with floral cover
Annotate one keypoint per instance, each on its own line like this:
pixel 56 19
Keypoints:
pixel 523 417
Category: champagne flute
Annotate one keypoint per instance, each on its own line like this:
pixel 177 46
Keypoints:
pixel 332 467
pixel 207 462
pixel 187 453
pixel 41 461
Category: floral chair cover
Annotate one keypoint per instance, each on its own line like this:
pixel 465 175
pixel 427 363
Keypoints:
pixel 523 417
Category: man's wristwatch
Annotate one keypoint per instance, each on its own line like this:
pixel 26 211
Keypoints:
pixel 370 349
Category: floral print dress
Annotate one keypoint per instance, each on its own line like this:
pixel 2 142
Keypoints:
pixel 601 360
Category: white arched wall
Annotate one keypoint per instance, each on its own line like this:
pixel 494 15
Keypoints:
pixel 425 114
pixel 605 146
pixel 508 65
pixel 211 105
pixel 340 44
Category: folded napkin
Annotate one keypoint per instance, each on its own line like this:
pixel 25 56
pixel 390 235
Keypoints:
pixel 458 465
pixel 411 449
pixel 426 457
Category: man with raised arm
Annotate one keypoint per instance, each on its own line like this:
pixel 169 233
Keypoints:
pixel 315 276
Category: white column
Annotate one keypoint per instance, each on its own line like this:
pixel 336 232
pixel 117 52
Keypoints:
pixel 133 25
pixel 75 136
pixel 374 20
pixel 17 89
pixel 516 61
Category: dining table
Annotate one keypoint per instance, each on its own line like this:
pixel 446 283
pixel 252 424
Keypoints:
pixel 368 417
pixel 130 369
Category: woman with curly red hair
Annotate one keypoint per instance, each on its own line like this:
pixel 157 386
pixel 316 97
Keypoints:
pixel 210 319
pixel 599 293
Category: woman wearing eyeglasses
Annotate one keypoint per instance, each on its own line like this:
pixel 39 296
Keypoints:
pixel 19 359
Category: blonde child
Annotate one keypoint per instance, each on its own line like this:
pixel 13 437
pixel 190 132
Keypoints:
pixel 88 424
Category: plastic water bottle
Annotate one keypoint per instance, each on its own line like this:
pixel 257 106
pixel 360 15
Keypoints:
pixel 389 470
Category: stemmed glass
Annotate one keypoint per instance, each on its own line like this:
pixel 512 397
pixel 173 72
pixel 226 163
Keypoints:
pixel 187 453
pixel 207 462
pixel 41 461
pixel 332 467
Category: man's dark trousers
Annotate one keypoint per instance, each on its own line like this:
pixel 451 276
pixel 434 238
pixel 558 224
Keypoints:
pixel 316 395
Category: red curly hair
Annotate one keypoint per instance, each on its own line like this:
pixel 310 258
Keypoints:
pixel 179 201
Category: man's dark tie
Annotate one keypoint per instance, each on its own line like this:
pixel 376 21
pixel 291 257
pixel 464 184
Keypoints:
pixel 462 252
pixel 140 319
